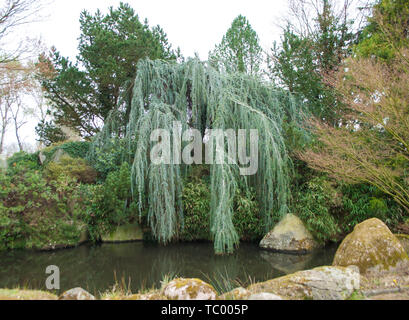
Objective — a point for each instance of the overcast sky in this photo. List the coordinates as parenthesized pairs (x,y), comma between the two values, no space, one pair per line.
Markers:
(194,26)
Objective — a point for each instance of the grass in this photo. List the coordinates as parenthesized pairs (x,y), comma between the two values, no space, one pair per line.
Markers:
(356,295)
(23,294)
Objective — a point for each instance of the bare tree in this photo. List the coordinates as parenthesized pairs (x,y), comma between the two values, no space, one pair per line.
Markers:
(18,84)
(5,114)
(15,14)
(302,14)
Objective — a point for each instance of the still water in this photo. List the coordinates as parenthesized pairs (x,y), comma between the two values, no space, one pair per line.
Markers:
(143,265)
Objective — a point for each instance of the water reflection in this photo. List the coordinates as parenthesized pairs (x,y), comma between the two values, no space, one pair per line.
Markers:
(94,267)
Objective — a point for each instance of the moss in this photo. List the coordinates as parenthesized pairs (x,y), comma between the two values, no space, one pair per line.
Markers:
(371,245)
(193,287)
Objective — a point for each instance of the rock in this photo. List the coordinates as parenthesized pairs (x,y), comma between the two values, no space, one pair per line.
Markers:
(76,294)
(189,289)
(264,296)
(236,294)
(371,247)
(42,157)
(323,283)
(289,236)
(58,155)
(404,240)
(125,233)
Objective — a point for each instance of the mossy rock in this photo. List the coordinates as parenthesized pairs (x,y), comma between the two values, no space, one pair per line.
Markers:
(289,236)
(126,233)
(76,294)
(17,294)
(371,247)
(189,289)
(323,283)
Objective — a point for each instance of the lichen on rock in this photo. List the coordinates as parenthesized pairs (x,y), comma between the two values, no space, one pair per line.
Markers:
(189,289)
(76,294)
(371,247)
(323,283)
(289,236)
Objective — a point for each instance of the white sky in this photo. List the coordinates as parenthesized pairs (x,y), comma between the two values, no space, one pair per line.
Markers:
(194,26)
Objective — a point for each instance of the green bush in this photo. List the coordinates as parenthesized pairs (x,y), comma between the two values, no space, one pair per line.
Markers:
(36,213)
(362,202)
(314,204)
(109,159)
(23,159)
(246,219)
(75,149)
(196,204)
(75,168)
(109,205)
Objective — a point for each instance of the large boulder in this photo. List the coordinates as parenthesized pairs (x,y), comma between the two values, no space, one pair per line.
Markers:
(323,283)
(189,289)
(127,233)
(76,294)
(289,236)
(371,247)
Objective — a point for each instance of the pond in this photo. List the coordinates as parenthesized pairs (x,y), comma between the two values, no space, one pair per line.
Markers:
(143,265)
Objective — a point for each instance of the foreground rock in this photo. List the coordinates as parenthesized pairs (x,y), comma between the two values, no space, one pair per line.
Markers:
(371,247)
(125,233)
(76,294)
(189,289)
(324,283)
(289,236)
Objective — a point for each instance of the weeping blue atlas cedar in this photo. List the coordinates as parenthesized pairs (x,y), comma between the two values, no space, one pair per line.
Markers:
(199,97)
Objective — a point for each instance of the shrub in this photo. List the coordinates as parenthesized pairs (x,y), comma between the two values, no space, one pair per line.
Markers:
(74,149)
(109,159)
(362,202)
(75,168)
(246,219)
(110,204)
(196,204)
(23,159)
(313,205)
(35,213)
